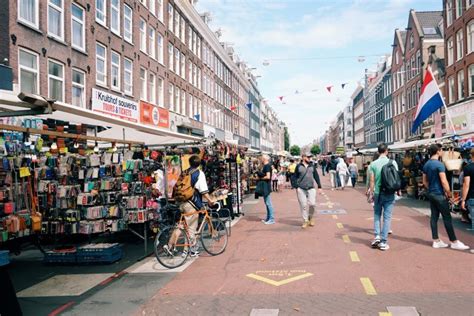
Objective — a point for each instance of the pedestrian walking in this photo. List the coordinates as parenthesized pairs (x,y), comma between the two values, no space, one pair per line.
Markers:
(306,175)
(332,166)
(343,172)
(264,188)
(323,164)
(467,202)
(354,172)
(274,179)
(291,172)
(439,194)
(384,199)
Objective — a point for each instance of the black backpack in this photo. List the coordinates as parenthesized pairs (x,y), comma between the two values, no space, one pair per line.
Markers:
(390,179)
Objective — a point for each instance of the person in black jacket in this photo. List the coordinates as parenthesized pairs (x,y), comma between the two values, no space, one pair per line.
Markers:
(306,175)
(332,166)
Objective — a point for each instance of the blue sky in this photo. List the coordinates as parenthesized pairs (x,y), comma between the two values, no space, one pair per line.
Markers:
(332,30)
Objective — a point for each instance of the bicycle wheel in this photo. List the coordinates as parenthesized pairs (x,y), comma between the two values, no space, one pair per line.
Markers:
(171,247)
(214,236)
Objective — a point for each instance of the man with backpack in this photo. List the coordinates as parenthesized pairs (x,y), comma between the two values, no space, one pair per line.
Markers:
(190,191)
(331,167)
(384,182)
(306,175)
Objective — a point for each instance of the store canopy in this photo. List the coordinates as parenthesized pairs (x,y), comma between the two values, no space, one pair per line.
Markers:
(114,127)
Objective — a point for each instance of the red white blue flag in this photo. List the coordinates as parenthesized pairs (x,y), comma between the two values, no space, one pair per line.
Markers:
(430,101)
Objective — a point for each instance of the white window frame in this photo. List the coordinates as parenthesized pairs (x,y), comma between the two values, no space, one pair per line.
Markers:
(143,84)
(161,52)
(28,69)
(470,73)
(177,63)
(83,29)
(128,33)
(449,12)
(161,10)
(127,87)
(34,24)
(450,57)
(151,87)
(152,7)
(151,42)
(470,37)
(52,77)
(459,5)
(161,92)
(117,65)
(117,9)
(143,36)
(459,44)
(104,21)
(171,97)
(177,99)
(170,57)
(104,59)
(183,66)
(170,17)
(80,86)
(61,10)
(182,31)
(451,90)
(460,86)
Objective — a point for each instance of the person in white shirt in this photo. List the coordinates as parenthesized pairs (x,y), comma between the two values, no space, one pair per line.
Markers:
(342,171)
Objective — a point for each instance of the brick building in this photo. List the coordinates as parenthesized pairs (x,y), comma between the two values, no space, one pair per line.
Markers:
(358,114)
(459,48)
(150,56)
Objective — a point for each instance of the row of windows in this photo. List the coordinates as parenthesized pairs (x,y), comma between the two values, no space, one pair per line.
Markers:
(461,49)
(28,75)
(454,9)
(456,90)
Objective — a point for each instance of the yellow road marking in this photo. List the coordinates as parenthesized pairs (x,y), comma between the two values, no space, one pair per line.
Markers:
(385,314)
(346,239)
(339,225)
(278,283)
(354,256)
(368,287)
(334,216)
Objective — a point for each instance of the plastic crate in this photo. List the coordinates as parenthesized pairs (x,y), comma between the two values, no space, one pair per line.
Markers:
(59,257)
(4,258)
(99,255)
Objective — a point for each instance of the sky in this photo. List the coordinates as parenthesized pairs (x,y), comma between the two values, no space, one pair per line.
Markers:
(301,47)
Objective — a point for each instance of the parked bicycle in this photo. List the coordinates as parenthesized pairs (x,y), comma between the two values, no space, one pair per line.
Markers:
(173,243)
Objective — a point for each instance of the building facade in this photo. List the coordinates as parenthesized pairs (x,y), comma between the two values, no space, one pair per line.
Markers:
(153,56)
(358,114)
(348,128)
(459,48)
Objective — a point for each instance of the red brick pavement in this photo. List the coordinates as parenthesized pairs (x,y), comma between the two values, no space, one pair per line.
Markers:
(411,273)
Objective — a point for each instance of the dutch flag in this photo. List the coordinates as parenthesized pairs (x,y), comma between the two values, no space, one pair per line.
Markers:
(430,101)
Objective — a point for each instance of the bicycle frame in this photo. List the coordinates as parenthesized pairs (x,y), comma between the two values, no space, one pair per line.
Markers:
(184,225)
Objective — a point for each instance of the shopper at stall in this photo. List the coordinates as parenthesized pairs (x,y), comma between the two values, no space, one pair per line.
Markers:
(306,175)
(264,188)
(467,202)
(383,199)
(434,179)
(274,179)
(191,197)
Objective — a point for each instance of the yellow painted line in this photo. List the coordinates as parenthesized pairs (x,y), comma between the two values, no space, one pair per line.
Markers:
(346,239)
(334,216)
(339,225)
(278,283)
(368,287)
(385,314)
(354,256)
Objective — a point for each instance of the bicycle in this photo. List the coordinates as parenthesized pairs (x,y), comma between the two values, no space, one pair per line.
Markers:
(212,232)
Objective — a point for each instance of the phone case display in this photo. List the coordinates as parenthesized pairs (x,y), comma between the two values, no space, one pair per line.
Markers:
(68,193)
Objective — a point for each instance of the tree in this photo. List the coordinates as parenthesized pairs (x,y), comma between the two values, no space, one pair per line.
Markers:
(295,150)
(287,139)
(315,150)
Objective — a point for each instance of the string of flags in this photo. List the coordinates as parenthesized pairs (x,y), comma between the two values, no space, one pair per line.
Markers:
(328,88)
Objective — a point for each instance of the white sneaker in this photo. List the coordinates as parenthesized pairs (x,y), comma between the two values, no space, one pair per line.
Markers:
(459,245)
(440,244)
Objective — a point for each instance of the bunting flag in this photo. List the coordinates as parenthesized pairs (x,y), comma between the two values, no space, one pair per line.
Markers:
(343,85)
(281,98)
(329,88)
(249,105)
(233,108)
(197,117)
(297,92)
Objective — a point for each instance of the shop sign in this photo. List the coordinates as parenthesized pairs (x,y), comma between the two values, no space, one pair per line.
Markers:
(114,105)
(340,150)
(462,116)
(153,115)
(209,131)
